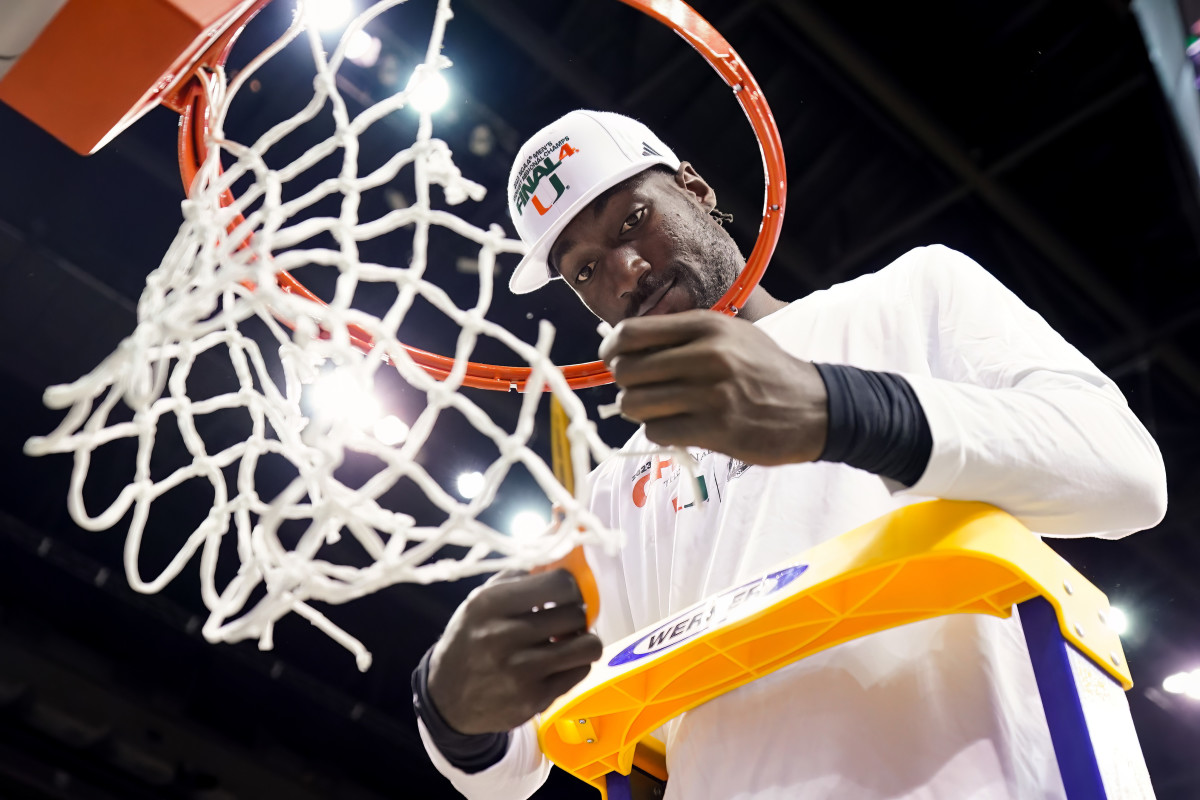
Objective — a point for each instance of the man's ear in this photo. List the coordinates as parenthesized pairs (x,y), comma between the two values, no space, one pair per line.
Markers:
(690,181)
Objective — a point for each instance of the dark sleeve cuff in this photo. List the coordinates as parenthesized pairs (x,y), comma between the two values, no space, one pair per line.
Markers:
(876,423)
(469,752)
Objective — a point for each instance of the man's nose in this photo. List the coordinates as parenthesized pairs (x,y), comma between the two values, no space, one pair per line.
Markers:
(627,268)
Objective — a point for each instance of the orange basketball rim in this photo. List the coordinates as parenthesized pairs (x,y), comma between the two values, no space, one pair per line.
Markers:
(90,106)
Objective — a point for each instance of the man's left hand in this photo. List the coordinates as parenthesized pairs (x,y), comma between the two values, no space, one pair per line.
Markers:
(702,379)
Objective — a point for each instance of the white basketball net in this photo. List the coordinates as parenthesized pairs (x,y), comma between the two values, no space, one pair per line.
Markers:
(193,305)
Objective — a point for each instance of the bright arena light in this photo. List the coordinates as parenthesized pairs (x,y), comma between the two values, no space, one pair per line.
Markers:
(470,484)
(329,15)
(527,524)
(363,49)
(1185,683)
(427,90)
(335,395)
(1117,620)
(391,430)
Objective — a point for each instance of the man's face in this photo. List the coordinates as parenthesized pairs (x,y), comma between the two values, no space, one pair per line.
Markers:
(648,246)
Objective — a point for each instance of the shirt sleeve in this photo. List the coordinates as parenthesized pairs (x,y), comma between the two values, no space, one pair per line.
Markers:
(516,776)
(1020,418)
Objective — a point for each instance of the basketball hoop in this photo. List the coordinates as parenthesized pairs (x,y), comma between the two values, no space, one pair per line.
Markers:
(228,265)
(190,100)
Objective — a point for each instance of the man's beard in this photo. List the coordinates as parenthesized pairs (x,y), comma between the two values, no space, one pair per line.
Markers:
(715,256)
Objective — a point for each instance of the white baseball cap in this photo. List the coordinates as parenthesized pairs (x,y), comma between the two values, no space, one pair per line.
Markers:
(561,169)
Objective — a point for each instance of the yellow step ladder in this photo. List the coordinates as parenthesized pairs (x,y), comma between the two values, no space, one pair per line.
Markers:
(922,561)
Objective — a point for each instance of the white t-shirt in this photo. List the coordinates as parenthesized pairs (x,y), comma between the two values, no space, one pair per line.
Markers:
(945,709)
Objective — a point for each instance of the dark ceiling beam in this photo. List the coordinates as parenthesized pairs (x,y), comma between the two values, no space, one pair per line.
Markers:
(922,127)
(853,259)
(574,13)
(1124,355)
(1018,21)
(426,612)
(1167,564)
(525,32)
(683,57)
(113,751)
(818,167)
(144,152)
(1119,8)
(337,706)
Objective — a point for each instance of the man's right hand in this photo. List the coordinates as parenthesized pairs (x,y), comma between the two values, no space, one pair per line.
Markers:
(513,646)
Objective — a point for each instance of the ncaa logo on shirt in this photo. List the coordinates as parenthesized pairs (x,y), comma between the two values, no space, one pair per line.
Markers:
(704,618)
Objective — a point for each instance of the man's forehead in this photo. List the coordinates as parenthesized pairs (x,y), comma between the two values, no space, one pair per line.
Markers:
(593,211)
(640,180)
(600,204)
(625,190)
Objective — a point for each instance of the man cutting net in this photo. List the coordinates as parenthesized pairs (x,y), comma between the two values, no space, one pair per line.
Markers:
(927,379)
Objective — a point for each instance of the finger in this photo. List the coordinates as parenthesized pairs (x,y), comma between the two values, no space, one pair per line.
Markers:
(693,361)
(645,403)
(560,622)
(667,330)
(506,575)
(683,430)
(503,576)
(521,595)
(552,658)
(560,683)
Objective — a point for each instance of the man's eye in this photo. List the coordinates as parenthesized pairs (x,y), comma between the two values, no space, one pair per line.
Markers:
(585,272)
(632,220)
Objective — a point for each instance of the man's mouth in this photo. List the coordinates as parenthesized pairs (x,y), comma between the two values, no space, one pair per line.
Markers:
(648,305)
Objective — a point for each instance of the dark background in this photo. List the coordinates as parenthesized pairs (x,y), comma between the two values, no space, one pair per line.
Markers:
(1032,136)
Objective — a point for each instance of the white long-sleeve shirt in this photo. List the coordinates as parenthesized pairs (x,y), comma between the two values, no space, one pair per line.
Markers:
(945,709)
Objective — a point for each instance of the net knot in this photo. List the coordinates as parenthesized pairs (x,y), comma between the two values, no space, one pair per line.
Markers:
(323,83)
(442,170)
(286,577)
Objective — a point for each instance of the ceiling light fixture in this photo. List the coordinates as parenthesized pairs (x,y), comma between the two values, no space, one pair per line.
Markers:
(363,49)
(470,484)
(1117,620)
(336,395)
(329,15)
(428,90)
(1185,683)
(390,430)
(527,524)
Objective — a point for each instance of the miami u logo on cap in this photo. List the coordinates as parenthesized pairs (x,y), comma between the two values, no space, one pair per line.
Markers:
(529,182)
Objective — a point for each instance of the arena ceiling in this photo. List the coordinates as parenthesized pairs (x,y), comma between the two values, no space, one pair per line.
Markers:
(1032,137)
